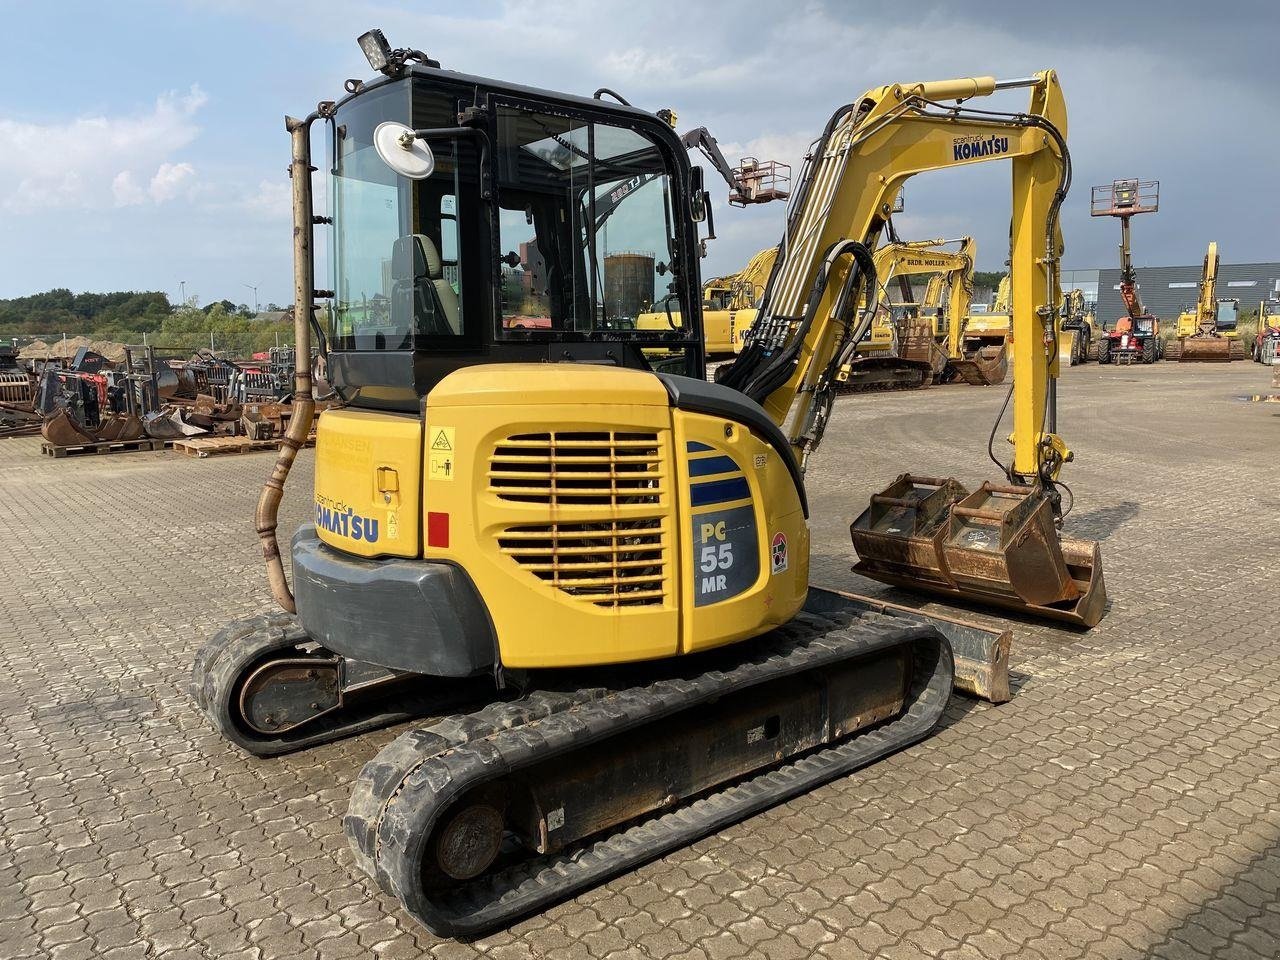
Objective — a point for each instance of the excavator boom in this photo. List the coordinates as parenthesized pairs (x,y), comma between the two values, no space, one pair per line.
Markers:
(999,544)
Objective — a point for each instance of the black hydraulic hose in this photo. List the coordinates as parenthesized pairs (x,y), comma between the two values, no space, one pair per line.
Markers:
(746,364)
(780,367)
(605,91)
(991,440)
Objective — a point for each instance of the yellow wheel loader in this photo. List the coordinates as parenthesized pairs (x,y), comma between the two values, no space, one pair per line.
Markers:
(607,564)
(1075,331)
(1208,332)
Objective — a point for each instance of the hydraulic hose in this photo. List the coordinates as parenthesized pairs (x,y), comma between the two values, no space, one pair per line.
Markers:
(304,403)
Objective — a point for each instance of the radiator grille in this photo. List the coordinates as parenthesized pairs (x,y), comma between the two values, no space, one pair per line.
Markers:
(619,563)
(605,468)
(612,551)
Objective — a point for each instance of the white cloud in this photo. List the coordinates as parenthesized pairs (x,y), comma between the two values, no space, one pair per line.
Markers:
(169,179)
(94,162)
(126,190)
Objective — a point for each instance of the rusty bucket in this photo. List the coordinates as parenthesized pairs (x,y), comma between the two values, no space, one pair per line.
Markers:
(899,535)
(997,545)
(61,429)
(1205,350)
(985,362)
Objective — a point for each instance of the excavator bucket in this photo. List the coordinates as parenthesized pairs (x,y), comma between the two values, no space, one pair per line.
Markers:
(61,429)
(984,365)
(997,545)
(1205,350)
(899,535)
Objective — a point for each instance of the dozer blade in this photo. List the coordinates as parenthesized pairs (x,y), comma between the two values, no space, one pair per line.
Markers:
(480,819)
(983,367)
(981,654)
(884,373)
(997,545)
(1205,350)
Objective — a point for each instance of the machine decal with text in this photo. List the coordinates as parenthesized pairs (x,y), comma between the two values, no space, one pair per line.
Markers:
(726,552)
(344,521)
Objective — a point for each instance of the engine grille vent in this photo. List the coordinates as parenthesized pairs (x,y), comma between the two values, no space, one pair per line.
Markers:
(618,563)
(605,468)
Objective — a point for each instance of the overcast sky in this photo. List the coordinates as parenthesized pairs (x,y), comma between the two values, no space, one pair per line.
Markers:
(142,143)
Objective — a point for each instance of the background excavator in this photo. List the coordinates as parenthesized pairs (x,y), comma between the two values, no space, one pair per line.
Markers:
(905,342)
(1135,337)
(979,344)
(614,559)
(728,306)
(1207,333)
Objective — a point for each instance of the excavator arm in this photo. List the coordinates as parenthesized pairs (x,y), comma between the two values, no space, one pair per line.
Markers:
(845,195)
(1207,310)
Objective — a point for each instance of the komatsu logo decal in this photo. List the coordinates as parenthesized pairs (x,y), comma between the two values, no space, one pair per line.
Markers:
(347,523)
(967,148)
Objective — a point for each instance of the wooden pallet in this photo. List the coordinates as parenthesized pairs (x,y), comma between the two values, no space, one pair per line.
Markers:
(112,446)
(202,447)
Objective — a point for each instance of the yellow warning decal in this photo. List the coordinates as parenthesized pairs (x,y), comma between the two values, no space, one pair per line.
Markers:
(440,466)
(441,454)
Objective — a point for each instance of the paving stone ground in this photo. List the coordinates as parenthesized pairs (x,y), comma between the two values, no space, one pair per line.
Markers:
(1125,804)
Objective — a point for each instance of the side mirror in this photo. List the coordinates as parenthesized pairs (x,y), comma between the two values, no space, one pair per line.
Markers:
(697,195)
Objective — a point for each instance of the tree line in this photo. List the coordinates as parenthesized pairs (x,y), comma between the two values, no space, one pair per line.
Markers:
(126,316)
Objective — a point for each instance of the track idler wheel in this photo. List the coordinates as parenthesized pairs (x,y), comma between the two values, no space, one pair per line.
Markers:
(269,688)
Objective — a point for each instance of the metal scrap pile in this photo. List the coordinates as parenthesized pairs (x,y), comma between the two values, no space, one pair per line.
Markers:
(93,400)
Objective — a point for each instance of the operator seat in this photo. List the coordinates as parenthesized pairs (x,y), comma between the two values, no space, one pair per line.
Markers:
(420,290)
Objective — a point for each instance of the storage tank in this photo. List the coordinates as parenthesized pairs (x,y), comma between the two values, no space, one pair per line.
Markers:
(628,284)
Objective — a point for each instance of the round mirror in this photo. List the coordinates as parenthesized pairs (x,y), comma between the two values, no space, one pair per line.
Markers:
(402,151)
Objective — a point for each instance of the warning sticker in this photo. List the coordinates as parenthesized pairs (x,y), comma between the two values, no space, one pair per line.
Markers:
(441,461)
(393,525)
(442,439)
(440,466)
(778,552)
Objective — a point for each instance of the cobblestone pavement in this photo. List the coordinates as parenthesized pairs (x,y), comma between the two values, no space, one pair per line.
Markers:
(1124,804)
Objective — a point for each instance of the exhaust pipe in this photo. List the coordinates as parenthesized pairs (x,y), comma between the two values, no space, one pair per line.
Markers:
(304,401)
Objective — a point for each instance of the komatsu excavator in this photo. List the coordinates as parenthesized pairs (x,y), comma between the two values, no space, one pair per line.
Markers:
(900,348)
(616,560)
(1208,332)
(979,344)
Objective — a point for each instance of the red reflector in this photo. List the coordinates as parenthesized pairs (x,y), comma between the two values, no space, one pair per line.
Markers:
(437,529)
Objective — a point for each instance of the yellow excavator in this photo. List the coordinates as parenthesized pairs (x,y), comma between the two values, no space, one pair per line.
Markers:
(979,344)
(1208,332)
(610,564)
(901,347)
(728,306)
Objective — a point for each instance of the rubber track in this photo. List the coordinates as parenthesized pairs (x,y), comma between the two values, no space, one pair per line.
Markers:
(221,662)
(402,791)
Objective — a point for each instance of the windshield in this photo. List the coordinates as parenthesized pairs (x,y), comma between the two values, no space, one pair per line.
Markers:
(586,239)
(1228,314)
(396,247)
